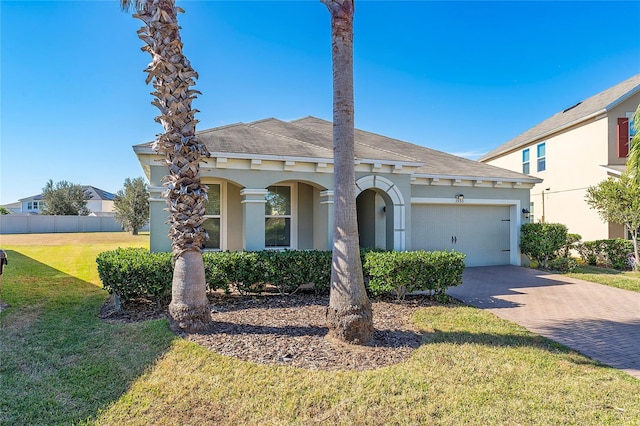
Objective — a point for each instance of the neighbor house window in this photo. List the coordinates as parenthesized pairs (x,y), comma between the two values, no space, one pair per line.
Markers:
(542,157)
(525,161)
(33,205)
(212,217)
(626,132)
(277,217)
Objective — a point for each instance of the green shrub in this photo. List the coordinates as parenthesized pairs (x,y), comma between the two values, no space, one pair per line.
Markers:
(616,253)
(542,241)
(589,252)
(611,253)
(216,265)
(563,264)
(133,273)
(406,272)
(136,273)
(571,243)
(289,269)
(246,271)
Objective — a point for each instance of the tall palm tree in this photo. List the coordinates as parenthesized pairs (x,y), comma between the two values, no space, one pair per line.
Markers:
(633,162)
(173,77)
(349,315)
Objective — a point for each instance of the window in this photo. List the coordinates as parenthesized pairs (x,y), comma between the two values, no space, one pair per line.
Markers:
(33,205)
(277,221)
(625,133)
(525,161)
(212,215)
(542,158)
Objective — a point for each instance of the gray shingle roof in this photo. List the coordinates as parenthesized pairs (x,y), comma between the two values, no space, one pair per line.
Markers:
(312,138)
(93,193)
(596,104)
(434,162)
(97,193)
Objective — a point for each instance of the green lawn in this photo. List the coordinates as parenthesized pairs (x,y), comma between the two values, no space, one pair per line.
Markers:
(59,364)
(622,279)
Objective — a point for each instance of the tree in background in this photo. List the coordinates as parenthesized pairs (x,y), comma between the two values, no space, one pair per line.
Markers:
(617,200)
(64,198)
(4,210)
(349,315)
(131,204)
(173,77)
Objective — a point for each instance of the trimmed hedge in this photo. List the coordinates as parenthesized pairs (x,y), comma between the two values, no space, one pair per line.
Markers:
(409,271)
(612,253)
(542,241)
(134,273)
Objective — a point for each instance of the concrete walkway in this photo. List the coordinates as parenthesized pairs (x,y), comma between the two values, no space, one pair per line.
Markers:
(599,321)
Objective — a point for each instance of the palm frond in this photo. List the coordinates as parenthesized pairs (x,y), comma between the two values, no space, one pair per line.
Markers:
(132,5)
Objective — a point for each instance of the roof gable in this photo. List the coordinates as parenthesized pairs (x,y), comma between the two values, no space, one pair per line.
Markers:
(97,193)
(595,105)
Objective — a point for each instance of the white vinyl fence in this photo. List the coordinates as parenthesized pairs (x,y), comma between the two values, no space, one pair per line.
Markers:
(44,224)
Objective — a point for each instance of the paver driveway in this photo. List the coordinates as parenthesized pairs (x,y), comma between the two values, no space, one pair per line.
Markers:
(599,321)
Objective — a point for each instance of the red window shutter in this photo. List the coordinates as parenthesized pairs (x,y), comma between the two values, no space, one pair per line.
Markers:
(623,137)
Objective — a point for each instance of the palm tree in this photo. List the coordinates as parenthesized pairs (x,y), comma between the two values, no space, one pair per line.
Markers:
(633,162)
(173,77)
(349,315)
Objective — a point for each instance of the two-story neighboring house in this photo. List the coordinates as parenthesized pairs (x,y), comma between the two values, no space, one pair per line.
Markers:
(99,201)
(572,150)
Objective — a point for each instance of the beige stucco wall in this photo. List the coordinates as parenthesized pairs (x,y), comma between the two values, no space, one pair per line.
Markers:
(232,217)
(624,109)
(573,163)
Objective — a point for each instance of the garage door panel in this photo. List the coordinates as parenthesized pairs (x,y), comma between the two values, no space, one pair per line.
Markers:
(480,232)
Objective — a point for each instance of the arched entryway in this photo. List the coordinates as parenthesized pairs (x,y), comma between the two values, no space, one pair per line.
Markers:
(380,207)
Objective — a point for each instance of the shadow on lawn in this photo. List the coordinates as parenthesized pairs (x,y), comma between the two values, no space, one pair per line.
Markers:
(384,338)
(60,363)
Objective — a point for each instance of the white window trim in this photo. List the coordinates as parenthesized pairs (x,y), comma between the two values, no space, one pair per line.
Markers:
(293,235)
(526,162)
(543,157)
(222,216)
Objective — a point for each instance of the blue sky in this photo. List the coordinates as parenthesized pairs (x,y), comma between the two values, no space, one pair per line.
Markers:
(461,77)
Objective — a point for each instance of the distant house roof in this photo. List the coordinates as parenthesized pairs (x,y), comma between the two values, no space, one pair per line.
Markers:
(589,108)
(312,138)
(97,193)
(93,193)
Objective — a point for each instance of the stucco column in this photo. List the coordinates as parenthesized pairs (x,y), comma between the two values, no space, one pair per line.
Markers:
(253,201)
(326,203)
(159,240)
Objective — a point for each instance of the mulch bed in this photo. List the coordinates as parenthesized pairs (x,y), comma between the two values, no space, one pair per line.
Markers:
(291,330)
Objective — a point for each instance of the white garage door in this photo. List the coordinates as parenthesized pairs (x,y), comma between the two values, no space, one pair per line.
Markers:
(480,232)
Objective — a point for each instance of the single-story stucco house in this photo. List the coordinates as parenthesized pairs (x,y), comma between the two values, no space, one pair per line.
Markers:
(271,187)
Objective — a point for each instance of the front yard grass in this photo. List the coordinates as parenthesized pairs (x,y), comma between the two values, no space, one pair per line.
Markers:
(59,364)
(626,280)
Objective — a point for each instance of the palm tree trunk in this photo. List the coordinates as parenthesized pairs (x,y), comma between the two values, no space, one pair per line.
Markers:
(172,77)
(349,315)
